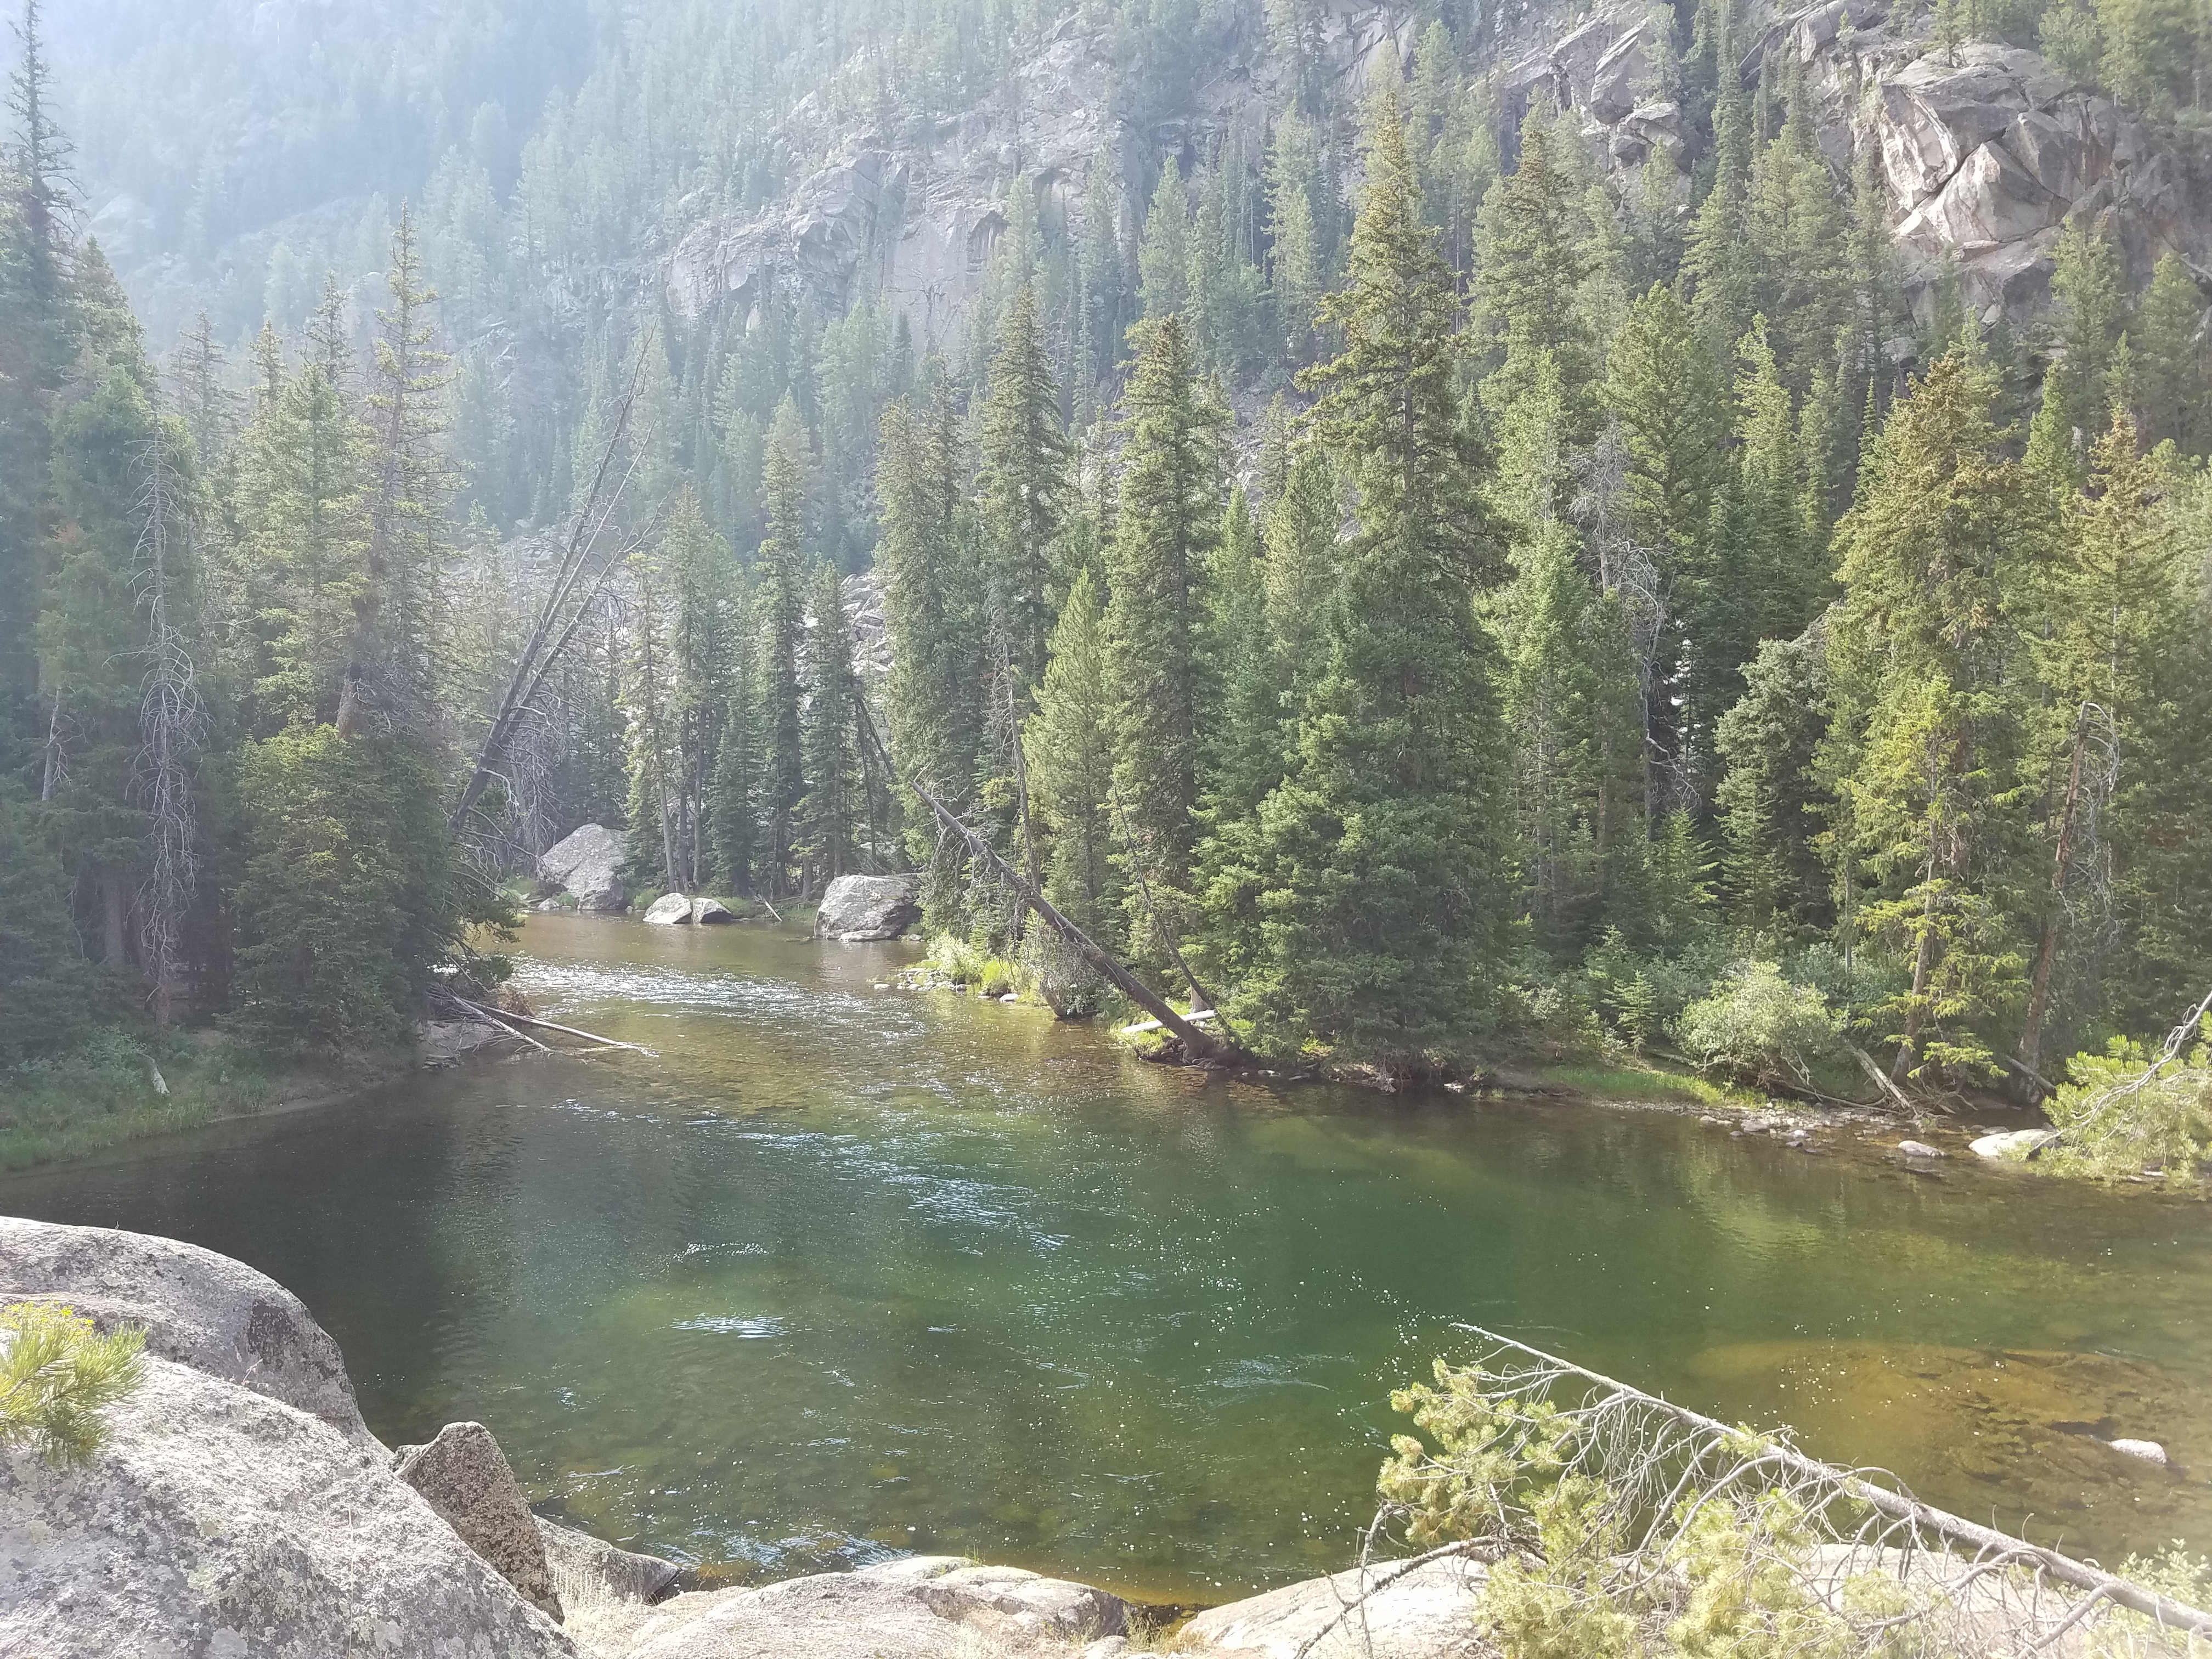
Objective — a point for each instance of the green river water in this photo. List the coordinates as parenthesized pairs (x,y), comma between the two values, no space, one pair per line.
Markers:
(848,1270)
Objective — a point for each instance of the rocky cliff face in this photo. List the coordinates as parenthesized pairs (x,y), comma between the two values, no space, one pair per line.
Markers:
(1985,156)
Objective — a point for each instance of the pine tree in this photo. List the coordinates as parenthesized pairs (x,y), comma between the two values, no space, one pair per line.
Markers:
(783,766)
(1294,266)
(1530,263)
(1071,766)
(1245,749)
(933,603)
(1022,483)
(1164,251)
(655,809)
(1720,267)
(2171,391)
(835,807)
(1300,574)
(1168,516)
(1371,917)
(1927,745)
(1769,803)
(734,803)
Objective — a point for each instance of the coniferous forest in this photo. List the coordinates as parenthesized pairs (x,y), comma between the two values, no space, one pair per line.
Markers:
(1435,598)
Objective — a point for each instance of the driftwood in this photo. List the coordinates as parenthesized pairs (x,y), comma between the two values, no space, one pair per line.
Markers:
(1200,1044)
(500,1018)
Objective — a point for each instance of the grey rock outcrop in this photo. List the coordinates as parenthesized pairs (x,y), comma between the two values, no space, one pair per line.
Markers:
(218,1521)
(197,1308)
(919,1607)
(1428,1614)
(587,866)
(856,908)
(464,1477)
(586,1569)
(670,909)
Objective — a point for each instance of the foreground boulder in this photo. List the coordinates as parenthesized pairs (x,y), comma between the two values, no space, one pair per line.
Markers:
(857,908)
(218,1521)
(587,866)
(464,1477)
(931,1607)
(201,1309)
(1428,1614)
(585,1569)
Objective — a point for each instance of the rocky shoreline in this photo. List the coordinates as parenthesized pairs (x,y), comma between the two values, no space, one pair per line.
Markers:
(240,1508)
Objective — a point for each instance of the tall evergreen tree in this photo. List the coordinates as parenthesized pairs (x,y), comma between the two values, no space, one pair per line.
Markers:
(783,764)
(836,806)
(1071,766)
(1024,482)
(1371,916)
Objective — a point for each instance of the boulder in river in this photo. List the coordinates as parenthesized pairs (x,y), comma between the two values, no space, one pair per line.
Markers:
(1426,1614)
(464,1477)
(708,911)
(670,909)
(2149,1451)
(2013,1146)
(857,908)
(197,1308)
(1920,1148)
(587,866)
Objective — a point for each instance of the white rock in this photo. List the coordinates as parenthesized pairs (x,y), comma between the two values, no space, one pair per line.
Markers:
(1427,1614)
(2012,1145)
(1920,1148)
(669,909)
(2149,1451)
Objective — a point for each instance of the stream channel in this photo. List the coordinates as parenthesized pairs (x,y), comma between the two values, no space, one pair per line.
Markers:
(849,1269)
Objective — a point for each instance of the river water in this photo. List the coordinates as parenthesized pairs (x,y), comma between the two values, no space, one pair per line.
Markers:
(849,1269)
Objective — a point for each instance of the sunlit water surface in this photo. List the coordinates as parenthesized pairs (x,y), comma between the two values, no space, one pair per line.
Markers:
(849,1270)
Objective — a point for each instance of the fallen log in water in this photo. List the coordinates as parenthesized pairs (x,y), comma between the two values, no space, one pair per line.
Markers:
(500,1017)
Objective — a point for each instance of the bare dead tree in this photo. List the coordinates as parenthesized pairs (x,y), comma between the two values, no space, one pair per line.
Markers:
(586,568)
(172,723)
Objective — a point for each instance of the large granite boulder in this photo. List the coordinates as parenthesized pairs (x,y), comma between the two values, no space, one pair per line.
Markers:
(670,909)
(870,907)
(219,1523)
(197,1308)
(931,1607)
(464,1477)
(1426,1614)
(587,866)
(585,1569)
(710,912)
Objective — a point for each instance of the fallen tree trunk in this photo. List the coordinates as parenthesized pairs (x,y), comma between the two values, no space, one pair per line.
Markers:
(1199,1044)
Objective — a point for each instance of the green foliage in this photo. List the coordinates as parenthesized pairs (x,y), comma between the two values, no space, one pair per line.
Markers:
(1759,1028)
(50,996)
(2125,1111)
(58,1374)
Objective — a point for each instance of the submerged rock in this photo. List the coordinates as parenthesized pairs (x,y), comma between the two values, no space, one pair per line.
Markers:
(857,908)
(587,866)
(464,1477)
(2149,1451)
(1920,1148)
(201,1309)
(1428,1614)
(218,1520)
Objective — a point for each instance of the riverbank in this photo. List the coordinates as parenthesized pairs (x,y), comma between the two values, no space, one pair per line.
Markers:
(123,1089)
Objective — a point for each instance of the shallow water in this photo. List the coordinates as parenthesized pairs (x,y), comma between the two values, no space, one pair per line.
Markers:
(848,1270)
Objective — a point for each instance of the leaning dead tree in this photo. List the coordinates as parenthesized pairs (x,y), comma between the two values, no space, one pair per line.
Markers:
(1626,1505)
(171,721)
(1199,1044)
(589,561)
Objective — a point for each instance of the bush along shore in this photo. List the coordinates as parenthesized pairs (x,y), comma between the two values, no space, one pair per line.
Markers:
(183,1464)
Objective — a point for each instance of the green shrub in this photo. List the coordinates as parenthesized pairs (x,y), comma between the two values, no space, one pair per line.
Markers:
(1759,1028)
(58,1374)
(2120,1113)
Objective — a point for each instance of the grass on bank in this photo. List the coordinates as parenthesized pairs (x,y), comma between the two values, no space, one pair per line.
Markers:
(119,1086)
